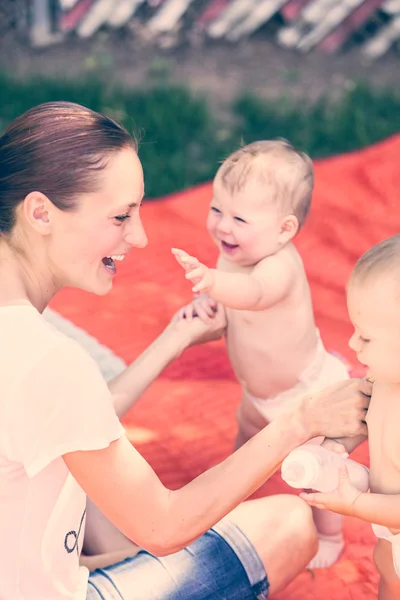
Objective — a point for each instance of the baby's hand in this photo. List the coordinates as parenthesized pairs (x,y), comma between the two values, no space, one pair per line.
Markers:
(202,277)
(341,501)
(335,446)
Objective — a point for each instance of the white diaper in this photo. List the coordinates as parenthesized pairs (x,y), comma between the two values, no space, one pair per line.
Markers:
(384,533)
(324,370)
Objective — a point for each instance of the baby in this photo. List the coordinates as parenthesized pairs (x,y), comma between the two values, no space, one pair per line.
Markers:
(373,298)
(262,195)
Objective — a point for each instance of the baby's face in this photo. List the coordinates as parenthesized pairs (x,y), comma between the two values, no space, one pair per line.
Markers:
(246,226)
(374,310)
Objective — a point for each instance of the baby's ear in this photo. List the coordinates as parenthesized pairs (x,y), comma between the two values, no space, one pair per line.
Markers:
(289,227)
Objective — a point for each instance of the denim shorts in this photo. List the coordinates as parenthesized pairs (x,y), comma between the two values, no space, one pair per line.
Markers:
(221,565)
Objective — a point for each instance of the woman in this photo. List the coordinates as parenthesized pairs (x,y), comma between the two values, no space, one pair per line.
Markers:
(71,185)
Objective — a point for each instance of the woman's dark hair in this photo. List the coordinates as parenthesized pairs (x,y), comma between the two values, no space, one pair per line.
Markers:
(55,148)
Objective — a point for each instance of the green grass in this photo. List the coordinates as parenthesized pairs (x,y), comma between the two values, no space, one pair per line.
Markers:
(359,118)
(182,143)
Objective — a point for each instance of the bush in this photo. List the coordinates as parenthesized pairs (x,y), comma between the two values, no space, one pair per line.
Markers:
(178,137)
(181,143)
(361,117)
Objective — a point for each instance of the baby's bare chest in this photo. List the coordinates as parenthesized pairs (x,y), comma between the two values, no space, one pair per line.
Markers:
(265,331)
(384,443)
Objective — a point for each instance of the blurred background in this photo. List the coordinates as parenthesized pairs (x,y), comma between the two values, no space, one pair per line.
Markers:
(195,78)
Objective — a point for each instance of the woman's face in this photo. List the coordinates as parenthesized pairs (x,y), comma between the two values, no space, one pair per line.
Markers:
(87,244)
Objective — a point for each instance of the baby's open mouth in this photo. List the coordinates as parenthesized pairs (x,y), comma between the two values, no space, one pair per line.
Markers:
(227,246)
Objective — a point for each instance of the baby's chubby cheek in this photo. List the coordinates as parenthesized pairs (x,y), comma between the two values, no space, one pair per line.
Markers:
(211,224)
(212,232)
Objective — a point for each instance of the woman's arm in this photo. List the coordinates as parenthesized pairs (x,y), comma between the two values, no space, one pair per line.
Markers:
(179,334)
(126,489)
(349,443)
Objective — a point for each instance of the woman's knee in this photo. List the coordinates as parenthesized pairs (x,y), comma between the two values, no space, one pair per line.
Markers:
(275,520)
(299,519)
(284,537)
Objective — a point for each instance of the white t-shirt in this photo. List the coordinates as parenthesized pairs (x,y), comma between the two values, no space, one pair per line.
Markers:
(53,400)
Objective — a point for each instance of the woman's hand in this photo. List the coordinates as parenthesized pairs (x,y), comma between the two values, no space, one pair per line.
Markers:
(201,306)
(196,331)
(336,411)
(179,334)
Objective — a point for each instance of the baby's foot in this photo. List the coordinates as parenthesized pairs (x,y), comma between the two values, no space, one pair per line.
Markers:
(329,549)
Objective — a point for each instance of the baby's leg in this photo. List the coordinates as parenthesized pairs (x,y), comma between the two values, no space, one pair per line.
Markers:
(329,527)
(249,420)
(252,416)
(389,583)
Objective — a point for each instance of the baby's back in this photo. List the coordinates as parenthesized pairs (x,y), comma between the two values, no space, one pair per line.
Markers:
(269,349)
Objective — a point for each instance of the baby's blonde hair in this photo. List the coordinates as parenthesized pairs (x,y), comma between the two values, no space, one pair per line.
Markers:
(382,259)
(275,163)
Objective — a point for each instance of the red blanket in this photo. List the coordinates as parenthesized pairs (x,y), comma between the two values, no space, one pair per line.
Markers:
(185,422)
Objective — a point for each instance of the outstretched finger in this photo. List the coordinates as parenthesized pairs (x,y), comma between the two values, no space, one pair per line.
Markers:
(178,252)
(179,261)
(183,256)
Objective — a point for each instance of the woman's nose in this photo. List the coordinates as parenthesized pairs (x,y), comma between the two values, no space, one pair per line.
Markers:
(136,235)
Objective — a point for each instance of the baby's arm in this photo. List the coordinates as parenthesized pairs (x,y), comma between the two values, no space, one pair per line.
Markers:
(382,509)
(268,283)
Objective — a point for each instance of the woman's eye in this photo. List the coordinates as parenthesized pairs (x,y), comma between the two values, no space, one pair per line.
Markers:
(363,340)
(216,210)
(122,218)
(240,220)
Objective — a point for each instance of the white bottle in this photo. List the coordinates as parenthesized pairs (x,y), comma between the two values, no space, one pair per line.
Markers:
(314,467)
